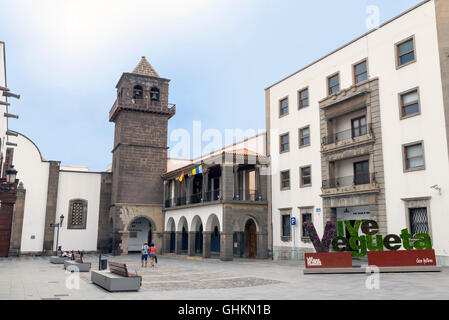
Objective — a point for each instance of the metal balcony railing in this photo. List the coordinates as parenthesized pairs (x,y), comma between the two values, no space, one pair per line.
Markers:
(347,134)
(213,195)
(349,181)
(247,195)
(143,105)
(196,198)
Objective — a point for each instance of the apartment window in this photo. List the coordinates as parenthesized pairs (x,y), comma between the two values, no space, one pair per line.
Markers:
(360,72)
(303,97)
(405,52)
(333,83)
(284,143)
(306,176)
(283,107)
(285,180)
(285,232)
(409,103)
(304,136)
(418,220)
(305,217)
(358,126)
(414,157)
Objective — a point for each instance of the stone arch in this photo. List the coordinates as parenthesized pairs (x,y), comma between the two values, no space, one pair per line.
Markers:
(140,230)
(246,218)
(154,93)
(171,226)
(183,232)
(137,92)
(197,229)
(171,229)
(212,221)
(182,222)
(213,226)
(196,223)
(141,217)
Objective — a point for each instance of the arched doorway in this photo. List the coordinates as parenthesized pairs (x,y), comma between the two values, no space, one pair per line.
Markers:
(250,239)
(171,229)
(140,231)
(213,225)
(197,226)
(185,239)
(184,229)
(199,240)
(215,240)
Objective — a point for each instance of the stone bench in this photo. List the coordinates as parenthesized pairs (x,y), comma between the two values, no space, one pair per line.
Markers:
(117,278)
(58,260)
(77,265)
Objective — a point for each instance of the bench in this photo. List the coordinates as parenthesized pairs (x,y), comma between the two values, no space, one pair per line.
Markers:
(77,265)
(117,278)
(58,259)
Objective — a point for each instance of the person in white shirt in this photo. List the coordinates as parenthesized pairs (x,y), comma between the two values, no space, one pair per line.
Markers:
(144,252)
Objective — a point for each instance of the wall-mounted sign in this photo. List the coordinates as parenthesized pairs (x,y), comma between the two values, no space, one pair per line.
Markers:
(354,213)
(328,260)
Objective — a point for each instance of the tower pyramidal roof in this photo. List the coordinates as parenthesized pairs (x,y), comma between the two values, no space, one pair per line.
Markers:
(145,68)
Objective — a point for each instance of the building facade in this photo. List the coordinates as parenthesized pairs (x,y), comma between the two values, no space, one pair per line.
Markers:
(221,210)
(362,133)
(217,205)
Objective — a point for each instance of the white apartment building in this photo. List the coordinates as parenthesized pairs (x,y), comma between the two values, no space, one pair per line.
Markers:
(362,133)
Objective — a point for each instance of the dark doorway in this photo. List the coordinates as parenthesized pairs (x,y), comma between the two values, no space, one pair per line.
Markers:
(234,241)
(215,240)
(185,239)
(172,241)
(199,240)
(250,231)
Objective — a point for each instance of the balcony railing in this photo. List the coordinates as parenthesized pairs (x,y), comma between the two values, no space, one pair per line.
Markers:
(213,195)
(349,181)
(143,105)
(347,134)
(247,195)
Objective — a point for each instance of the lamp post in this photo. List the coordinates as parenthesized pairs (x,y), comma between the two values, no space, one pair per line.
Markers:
(11,175)
(61,220)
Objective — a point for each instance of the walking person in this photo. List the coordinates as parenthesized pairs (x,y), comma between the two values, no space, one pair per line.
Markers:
(152,254)
(144,252)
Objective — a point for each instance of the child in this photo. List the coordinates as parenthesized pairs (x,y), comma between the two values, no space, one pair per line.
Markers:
(144,252)
(152,254)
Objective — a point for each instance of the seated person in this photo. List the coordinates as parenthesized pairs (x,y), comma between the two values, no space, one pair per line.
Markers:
(65,254)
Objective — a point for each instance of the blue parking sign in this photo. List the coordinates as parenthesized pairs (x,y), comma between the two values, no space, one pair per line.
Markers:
(293,221)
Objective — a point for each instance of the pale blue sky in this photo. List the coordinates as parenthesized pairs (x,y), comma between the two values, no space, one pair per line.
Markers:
(65,58)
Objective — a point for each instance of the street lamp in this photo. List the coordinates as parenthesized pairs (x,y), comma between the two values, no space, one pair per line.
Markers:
(11,175)
(61,220)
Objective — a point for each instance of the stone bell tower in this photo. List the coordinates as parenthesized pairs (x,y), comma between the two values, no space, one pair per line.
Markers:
(140,114)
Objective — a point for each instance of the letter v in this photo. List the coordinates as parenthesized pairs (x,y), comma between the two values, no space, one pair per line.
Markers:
(329,232)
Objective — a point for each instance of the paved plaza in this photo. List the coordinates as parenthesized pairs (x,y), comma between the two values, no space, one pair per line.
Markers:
(183,278)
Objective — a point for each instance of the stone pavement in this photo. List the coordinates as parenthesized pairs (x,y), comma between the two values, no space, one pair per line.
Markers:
(182,278)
